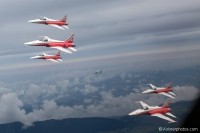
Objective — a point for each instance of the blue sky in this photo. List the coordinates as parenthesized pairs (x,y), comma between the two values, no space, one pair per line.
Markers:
(115,36)
(131,30)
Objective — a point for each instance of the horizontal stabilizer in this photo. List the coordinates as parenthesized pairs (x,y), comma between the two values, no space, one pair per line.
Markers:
(172,93)
(57,26)
(53,60)
(170,114)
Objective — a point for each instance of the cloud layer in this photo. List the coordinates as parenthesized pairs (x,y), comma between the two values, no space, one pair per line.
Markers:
(11,106)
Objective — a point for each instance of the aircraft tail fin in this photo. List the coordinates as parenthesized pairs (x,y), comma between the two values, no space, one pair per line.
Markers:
(64,19)
(166,104)
(70,40)
(169,85)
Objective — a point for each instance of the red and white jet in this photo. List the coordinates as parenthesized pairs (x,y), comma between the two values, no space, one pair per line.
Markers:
(55,58)
(167,91)
(61,24)
(157,111)
(60,45)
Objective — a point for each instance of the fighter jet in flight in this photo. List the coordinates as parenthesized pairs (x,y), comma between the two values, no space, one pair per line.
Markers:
(61,24)
(99,72)
(55,58)
(167,91)
(60,45)
(158,111)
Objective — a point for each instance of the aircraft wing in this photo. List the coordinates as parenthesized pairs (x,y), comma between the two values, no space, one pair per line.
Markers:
(62,49)
(166,94)
(152,86)
(59,27)
(72,49)
(144,105)
(53,60)
(164,117)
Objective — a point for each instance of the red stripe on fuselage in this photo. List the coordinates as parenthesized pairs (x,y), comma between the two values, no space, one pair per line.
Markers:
(55,44)
(159,110)
(155,111)
(162,90)
(55,57)
(60,23)
(60,44)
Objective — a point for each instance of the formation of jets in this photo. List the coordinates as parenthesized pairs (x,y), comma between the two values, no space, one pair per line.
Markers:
(66,46)
(158,111)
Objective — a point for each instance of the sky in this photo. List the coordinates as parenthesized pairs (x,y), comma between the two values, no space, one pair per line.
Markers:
(115,36)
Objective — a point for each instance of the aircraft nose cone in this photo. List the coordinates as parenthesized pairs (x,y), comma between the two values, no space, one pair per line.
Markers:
(144,92)
(147,91)
(130,114)
(28,43)
(35,57)
(31,21)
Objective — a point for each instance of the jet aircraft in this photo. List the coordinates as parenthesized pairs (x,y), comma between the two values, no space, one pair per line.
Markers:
(158,111)
(99,72)
(167,91)
(56,44)
(55,58)
(61,24)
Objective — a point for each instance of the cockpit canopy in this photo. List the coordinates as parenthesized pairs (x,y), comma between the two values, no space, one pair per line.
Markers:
(154,88)
(41,55)
(44,18)
(145,108)
(44,39)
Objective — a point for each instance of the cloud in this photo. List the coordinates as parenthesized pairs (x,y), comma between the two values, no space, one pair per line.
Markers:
(88,89)
(186,93)
(11,107)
